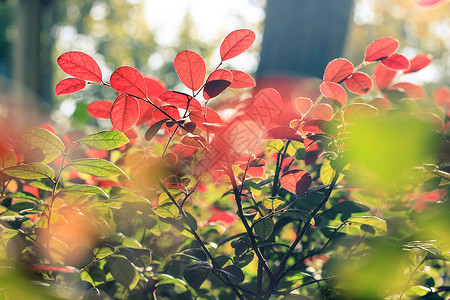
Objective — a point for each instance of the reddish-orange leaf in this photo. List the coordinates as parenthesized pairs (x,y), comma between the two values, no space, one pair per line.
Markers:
(124,112)
(223,216)
(100,109)
(216,83)
(283,133)
(267,105)
(236,43)
(155,87)
(322,111)
(80,65)
(241,80)
(428,3)
(146,113)
(180,100)
(211,117)
(303,105)
(129,81)
(320,126)
(413,91)
(52,268)
(69,86)
(442,96)
(359,83)
(296,181)
(358,111)
(194,140)
(380,49)
(169,110)
(383,76)
(337,70)
(334,91)
(396,62)
(419,62)
(190,68)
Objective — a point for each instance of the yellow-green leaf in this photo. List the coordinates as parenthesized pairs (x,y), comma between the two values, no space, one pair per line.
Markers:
(30,171)
(96,167)
(43,139)
(105,140)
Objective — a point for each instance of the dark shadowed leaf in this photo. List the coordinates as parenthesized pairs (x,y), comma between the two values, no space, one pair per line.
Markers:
(153,129)
(380,49)
(296,181)
(123,271)
(80,65)
(263,228)
(69,86)
(124,112)
(236,43)
(128,80)
(337,70)
(320,126)
(234,272)
(196,273)
(216,83)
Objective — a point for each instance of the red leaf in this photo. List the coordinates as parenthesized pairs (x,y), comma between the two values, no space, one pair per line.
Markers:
(303,105)
(320,126)
(180,100)
(337,70)
(359,83)
(413,91)
(296,181)
(194,140)
(223,216)
(383,76)
(396,62)
(124,112)
(216,83)
(168,109)
(334,91)
(322,111)
(146,113)
(358,111)
(380,49)
(428,3)
(442,96)
(100,109)
(69,86)
(241,80)
(283,133)
(418,63)
(62,269)
(236,43)
(190,68)
(129,81)
(155,87)
(80,65)
(267,105)
(211,118)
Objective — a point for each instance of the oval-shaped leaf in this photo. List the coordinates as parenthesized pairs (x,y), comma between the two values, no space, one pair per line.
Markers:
(123,271)
(283,133)
(418,63)
(153,129)
(378,225)
(196,273)
(223,216)
(320,126)
(180,100)
(267,105)
(412,91)
(380,49)
(191,69)
(100,109)
(303,105)
(169,111)
(69,86)
(263,228)
(43,139)
(53,268)
(359,111)
(80,65)
(85,189)
(236,43)
(359,83)
(211,118)
(7,157)
(296,181)
(396,62)
(428,3)
(241,80)
(124,112)
(337,70)
(322,111)
(216,83)
(334,91)
(383,76)
(129,81)
(30,171)
(96,167)
(105,140)
(155,87)
(234,272)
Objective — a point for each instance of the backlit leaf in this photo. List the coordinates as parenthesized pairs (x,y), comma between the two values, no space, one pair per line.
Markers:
(30,171)
(124,112)
(320,126)
(96,167)
(236,43)
(378,225)
(296,181)
(100,109)
(153,129)
(80,65)
(322,111)
(7,158)
(418,63)
(85,189)
(383,76)
(211,118)
(267,105)
(129,81)
(334,91)
(396,62)
(337,70)
(196,273)
(180,100)
(380,49)
(216,83)
(412,91)
(191,69)
(241,80)
(169,110)
(69,86)
(42,138)
(105,140)
(359,111)
(52,268)
(359,83)
(283,133)
(303,105)
(428,3)
(223,216)
(155,87)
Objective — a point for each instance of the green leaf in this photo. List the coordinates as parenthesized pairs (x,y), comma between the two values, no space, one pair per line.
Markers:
(349,207)
(24,195)
(40,185)
(30,171)
(196,273)
(85,189)
(96,167)
(263,228)
(105,140)
(7,158)
(429,248)
(234,272)
(123,271)
(43,139)
(252,187)
(194,253)
(272,203)
(139,257)
(379,226)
